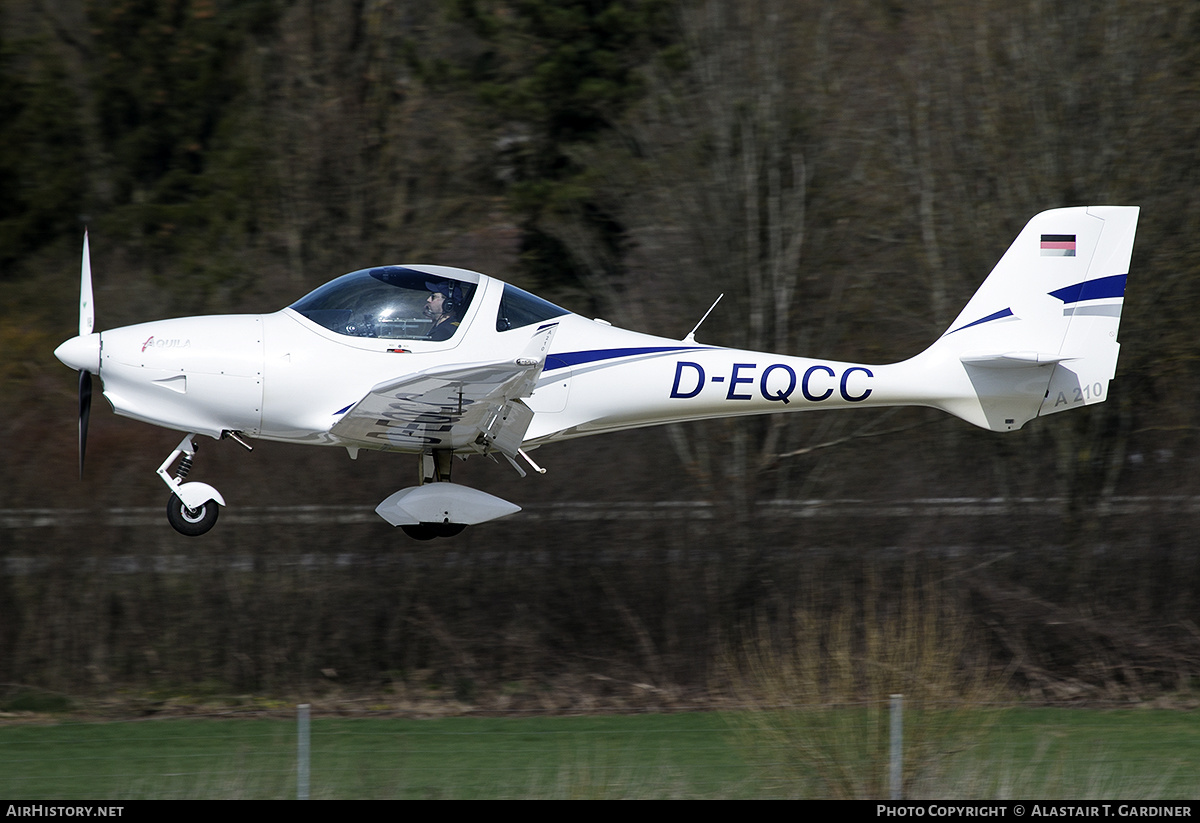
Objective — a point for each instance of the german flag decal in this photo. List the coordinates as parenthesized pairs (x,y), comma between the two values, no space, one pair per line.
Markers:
(1058,245)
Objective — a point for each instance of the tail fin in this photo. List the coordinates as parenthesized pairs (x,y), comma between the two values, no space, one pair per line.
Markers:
(1040,335)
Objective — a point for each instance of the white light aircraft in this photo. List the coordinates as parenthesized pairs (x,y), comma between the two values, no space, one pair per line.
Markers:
(442,362)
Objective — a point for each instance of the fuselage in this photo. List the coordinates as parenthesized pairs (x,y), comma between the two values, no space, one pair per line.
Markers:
(290,375)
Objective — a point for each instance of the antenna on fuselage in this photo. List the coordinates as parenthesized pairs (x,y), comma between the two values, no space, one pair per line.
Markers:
(691,336)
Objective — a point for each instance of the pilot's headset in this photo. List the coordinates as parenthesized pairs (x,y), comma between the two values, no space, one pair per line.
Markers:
(453,296)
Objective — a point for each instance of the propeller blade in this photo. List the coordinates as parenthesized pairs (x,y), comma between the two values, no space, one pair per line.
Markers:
(87,312)
(85,411)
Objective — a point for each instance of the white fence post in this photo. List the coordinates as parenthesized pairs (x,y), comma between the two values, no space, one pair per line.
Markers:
(895,777)
(302,752)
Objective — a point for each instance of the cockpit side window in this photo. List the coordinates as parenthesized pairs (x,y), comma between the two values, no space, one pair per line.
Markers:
(520,308)
(390,302)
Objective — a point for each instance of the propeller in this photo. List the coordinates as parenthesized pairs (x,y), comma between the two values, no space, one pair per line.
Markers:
(87,320)
(83,352)
(85,411)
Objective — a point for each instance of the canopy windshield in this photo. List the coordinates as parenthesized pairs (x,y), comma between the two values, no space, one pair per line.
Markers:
(390,302)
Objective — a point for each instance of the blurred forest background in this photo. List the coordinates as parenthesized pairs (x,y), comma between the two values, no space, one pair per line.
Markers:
(845,172)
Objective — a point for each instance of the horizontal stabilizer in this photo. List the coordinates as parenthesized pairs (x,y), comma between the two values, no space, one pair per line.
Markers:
(1012,360)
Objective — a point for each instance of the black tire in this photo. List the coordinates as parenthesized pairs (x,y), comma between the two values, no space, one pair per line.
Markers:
(192,522)
(421,531)
(449,529)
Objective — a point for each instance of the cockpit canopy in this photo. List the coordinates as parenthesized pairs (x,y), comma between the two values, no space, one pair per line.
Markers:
(390,302)
(398,303)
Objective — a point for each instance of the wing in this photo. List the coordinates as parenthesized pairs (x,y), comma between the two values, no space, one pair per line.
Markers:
(474,405)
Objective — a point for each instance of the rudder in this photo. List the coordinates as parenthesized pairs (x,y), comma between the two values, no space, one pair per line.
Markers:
(1093,308)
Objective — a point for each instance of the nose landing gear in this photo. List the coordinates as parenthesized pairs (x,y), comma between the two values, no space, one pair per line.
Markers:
(193,507)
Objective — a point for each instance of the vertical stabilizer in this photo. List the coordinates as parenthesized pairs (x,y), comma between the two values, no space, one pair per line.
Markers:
(1040,334)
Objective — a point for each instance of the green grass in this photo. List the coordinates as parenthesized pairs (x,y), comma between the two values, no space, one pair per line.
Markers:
(1062,754)
(1030,753)
(682,755)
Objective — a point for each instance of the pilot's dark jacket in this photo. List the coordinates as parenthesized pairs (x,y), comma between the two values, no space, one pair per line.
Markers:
(444,330)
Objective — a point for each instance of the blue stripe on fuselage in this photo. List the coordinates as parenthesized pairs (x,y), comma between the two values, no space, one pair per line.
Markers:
(576,358)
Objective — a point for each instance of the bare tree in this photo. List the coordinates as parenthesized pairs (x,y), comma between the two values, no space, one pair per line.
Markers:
(710,174)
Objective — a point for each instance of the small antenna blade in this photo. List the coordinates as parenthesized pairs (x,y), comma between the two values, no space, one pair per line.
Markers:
(691,336)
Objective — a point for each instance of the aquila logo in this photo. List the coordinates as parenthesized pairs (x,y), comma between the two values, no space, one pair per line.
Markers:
(173,343)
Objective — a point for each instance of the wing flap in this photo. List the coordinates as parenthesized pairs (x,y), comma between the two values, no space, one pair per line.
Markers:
(475,405)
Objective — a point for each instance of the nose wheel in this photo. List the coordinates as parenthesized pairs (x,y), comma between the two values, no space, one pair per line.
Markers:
(192,522)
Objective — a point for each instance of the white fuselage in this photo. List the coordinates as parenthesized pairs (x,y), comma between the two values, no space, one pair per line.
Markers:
(285,377)
(282,377)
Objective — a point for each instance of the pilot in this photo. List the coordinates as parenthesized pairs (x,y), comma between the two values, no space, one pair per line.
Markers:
(442,308)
